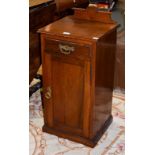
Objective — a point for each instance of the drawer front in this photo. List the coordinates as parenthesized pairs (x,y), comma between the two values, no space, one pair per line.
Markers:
(59,48)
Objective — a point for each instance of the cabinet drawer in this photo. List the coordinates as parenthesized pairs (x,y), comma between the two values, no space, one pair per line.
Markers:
(67,49)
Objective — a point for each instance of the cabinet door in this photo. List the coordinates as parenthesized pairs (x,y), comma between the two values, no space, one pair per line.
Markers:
(66,85)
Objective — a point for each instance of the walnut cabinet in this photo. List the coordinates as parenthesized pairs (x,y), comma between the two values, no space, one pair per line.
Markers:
(78,58)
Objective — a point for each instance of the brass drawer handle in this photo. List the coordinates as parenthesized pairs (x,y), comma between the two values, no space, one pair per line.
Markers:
(65,49)
(48,94)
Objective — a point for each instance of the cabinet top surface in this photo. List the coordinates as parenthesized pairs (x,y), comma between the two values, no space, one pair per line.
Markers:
(78,28)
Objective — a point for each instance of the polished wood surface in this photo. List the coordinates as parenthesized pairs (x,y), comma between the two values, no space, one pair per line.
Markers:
(104,79)
(92,14)
(81,51)
(75,28)
(78,77)
(39,16)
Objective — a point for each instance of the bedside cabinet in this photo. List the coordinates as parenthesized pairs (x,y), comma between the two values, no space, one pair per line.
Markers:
(78,57)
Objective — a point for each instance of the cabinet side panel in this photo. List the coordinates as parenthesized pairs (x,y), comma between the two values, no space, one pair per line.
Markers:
(104,80)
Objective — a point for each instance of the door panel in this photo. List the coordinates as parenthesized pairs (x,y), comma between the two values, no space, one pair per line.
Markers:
(67,93)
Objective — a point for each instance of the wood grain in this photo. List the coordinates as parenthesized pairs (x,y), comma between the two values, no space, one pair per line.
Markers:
(82,81)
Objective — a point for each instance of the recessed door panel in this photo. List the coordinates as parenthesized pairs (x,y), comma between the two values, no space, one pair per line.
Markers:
(68,87)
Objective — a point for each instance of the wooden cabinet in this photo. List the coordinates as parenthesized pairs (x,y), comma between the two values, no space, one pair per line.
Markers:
(78,58)
(41,13)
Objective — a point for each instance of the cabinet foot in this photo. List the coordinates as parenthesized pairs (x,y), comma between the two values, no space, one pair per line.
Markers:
(76,138)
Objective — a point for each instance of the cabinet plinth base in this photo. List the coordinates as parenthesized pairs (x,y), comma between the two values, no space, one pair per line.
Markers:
(76,138)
